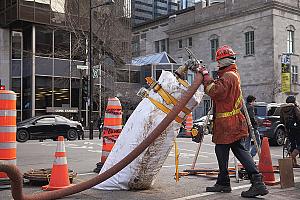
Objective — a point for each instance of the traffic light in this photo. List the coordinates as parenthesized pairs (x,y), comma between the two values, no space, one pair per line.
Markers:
(85,86)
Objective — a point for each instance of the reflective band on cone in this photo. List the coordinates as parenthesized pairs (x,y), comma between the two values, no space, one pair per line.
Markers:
(59,175)
(189,124)
(8,145)
(112,128)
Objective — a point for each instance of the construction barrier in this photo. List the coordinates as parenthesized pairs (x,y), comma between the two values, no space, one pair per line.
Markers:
(265,165)
(8,145)
(189,124)
(59,175)
(112,127)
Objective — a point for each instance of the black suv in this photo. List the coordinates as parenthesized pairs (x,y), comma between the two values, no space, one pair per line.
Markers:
(268,118)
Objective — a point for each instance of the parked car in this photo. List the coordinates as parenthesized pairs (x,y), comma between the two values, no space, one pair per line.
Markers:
(201,120)
(48,127)
(268,118)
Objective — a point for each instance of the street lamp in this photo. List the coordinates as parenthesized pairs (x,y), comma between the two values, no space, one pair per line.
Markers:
(90,104)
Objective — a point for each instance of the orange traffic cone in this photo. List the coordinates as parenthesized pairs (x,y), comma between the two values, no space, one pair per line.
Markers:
(112,128)
(189,124)
(59,175)
(265,165)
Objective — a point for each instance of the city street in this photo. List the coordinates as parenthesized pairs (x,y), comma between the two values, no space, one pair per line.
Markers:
(84,154)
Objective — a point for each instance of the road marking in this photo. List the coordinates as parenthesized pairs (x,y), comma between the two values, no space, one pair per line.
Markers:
(210,193)
(95,151)
(85,174)
(184,155)
(66,141)
(182,165)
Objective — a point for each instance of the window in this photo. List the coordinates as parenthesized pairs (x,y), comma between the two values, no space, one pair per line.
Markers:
(180,59)
(16,45)
(249,42)
(135,76)
(143,36)
(61,44)
(123,76)
(207,105)
(44,40)
(294,74)
(190,41)
(161,45)
(290,41)
(214,45)
(156,46)
(47,120)
(180,43)
(60,120)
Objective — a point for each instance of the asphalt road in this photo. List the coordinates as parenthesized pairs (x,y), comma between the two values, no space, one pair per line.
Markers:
(83,155)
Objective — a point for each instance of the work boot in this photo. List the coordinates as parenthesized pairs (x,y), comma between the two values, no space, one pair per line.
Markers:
(294,158)
(257,188)
(219,188)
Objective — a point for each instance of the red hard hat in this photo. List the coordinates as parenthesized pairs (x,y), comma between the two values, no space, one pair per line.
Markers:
(224,52)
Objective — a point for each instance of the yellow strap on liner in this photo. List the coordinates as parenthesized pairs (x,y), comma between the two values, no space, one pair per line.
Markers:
(163,108)
(144,93)
(183,82)
(176,161)
(168,98)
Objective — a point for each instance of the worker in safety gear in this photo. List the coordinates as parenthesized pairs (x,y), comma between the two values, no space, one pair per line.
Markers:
(250,108)
(290,117)
(230,126)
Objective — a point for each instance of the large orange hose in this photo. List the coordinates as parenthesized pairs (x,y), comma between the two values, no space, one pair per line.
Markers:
(16,177)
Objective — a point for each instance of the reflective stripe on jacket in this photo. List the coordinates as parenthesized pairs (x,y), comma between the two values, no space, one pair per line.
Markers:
(225,93)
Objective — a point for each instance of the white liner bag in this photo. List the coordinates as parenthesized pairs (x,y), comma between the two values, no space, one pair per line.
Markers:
(141,173)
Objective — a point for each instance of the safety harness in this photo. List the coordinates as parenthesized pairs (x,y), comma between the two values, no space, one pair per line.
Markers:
(236,110)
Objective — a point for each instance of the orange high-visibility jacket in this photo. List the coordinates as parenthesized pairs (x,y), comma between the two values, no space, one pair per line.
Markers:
(229,123)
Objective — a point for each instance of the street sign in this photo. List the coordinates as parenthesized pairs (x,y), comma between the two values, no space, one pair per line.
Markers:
(82,67)
(286,59)
(96,73)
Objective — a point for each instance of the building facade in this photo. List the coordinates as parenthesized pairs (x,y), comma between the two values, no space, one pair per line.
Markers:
(43,43)
(260,31)
(146,10)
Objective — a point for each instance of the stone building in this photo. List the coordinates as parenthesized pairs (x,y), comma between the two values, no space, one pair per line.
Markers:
(260,31)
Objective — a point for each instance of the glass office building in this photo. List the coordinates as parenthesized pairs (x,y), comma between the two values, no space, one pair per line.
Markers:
(45,52)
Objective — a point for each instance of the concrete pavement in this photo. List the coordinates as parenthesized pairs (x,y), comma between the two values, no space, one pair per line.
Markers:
(83,155)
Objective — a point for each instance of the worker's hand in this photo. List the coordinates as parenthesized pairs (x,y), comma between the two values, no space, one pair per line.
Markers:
(202,70)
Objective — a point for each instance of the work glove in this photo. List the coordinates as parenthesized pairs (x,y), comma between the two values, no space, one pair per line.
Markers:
(205,74)
(192,63)
(202,70)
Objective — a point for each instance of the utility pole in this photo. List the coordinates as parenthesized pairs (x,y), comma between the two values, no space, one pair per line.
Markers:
(80,97)
(90,99)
